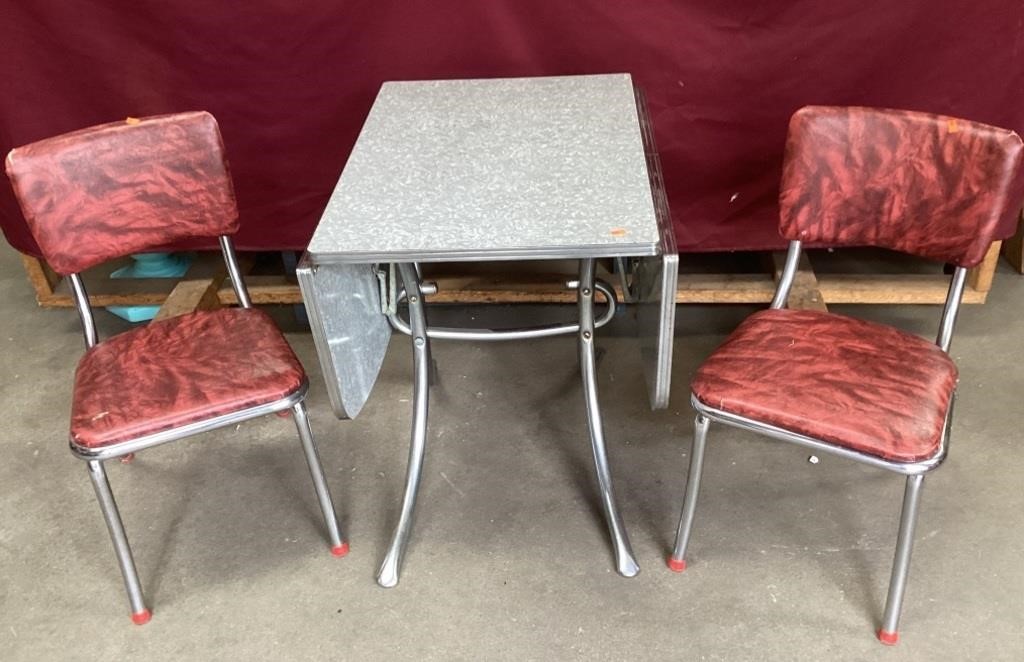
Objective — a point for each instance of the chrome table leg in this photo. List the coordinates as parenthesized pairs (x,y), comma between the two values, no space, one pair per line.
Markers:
(339,546)
(888,634)
(677,561)
(98,474)
(388,575)
(625,563)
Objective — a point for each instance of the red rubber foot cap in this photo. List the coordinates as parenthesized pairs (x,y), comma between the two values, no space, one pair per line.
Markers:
(676,566)
(284,413)
(126,459)
(888,638)
(340,550)
(142,617)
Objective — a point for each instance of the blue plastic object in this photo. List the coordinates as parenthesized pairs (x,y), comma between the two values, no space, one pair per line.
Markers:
(150,265)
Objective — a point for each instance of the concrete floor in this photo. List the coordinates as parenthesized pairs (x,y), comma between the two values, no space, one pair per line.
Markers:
(510,558)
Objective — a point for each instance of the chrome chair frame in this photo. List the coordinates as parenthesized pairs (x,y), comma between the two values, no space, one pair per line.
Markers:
(95,457)
(914,471)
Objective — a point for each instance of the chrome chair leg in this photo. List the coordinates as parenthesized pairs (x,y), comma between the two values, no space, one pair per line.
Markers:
(677,561)
(625,562)
(140,615)
(339,546)
(888,634)
(388,574)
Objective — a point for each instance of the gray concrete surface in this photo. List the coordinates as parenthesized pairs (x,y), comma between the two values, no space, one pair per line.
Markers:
(509,559)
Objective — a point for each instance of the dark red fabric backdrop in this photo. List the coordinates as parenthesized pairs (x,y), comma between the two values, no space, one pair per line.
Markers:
(291,82)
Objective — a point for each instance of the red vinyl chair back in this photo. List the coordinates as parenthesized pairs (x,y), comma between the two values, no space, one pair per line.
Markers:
(124,187)
(932,186)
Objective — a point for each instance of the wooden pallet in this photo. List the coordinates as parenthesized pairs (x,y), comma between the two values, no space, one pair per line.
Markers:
(1013,248)
(206,286)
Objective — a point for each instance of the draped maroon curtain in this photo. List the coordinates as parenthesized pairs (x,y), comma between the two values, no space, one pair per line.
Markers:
(291,82)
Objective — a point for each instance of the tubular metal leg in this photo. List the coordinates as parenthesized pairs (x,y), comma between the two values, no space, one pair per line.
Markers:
(888,634)
(677,561)
(625,563)
(98,474)
(388,575)
(339,547)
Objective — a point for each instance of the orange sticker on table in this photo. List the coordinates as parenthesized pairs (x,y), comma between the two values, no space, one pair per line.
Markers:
(618,232)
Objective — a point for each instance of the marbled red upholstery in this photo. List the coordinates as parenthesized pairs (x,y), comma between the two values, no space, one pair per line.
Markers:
(178,371)
(124,187)
(932,186)
(856,384)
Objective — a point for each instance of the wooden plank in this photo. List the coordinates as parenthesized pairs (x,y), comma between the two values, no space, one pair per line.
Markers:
(804,293)
(524,288)
(521,288)
(106,291)
(42,278)
(263,290)
(980,277)
(891,289)
(711,288)
(188,296)
(724,288)
(124,292)
(693,288)
(1013,248)
(756,288)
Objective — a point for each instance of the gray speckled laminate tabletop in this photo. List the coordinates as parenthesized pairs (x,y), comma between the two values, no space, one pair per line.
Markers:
(495,169)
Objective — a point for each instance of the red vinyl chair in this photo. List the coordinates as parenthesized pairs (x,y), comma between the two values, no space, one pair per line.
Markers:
(127,187)
(930,186)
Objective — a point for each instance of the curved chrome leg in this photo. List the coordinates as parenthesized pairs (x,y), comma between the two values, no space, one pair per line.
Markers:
(677,561)
(388,575)
(625,563)
(888,634)
(123,551)
(339,547)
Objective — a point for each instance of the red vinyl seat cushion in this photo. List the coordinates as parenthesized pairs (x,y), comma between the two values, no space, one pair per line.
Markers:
(848,382)
(178,371)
